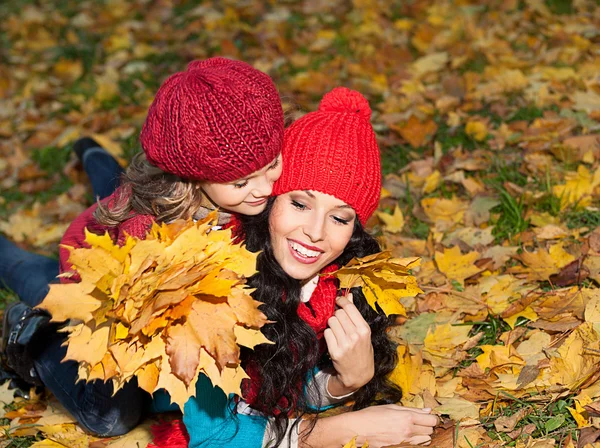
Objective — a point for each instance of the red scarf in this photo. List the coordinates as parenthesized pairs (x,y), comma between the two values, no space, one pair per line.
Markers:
(322,301)
(322,307)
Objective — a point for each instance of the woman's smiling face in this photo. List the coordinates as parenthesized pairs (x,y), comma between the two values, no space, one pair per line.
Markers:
(309,230)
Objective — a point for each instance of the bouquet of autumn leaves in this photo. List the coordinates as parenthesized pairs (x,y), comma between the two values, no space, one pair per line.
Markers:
(163,309)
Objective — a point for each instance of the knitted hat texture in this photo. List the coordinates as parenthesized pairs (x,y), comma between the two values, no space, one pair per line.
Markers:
(218,121)
(334,151)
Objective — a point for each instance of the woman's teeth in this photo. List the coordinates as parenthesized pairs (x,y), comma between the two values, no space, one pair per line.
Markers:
(304,251)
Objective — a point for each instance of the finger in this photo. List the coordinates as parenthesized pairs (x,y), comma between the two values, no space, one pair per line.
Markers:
(425,419)
(352,311)
(423,430)
(345,321)
(330,340)
(405,408)
(338,330)
(350,297)
(418,440)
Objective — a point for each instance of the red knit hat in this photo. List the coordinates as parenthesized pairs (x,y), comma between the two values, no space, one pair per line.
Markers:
(218,121)
(334,151)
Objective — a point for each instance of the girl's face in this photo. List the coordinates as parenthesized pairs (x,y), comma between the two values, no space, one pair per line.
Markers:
(246,196)
(309,230)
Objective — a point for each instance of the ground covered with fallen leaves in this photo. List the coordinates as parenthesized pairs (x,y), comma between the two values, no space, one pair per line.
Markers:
(488,116)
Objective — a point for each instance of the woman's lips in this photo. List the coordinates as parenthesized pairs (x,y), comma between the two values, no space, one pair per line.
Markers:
(304,254)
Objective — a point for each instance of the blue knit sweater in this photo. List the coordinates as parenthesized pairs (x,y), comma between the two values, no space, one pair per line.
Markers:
(210,421)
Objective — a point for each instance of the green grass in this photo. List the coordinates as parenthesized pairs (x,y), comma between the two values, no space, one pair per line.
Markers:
(549,204)
(560,6)
(527,113)
(502,172)
(6,297)
(394,158)
(551,421)
(477,64)
(20,442)
(451,138)
(52,159)
(509,220)
(418,228)
(583,218)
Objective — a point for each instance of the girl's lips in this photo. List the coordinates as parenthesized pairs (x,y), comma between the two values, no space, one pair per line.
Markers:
(301,258)
(257,203)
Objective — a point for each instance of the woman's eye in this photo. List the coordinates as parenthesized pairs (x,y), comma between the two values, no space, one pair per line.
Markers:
(298,205)
(241,184)
(341,220)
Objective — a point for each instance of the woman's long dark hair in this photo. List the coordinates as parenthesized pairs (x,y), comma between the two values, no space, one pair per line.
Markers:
(286,365)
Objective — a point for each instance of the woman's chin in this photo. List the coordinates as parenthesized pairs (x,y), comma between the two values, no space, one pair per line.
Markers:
(300,272)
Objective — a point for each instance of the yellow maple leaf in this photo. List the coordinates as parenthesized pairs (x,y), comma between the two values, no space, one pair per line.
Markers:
(392,223)
(163,309)
(496,356)
(407,371)
(430,63)
(477,130)
(579,413)
(458,408)
(578,188)
(544,263)
(576,359)
(384,280)
(432,182)
(451,211)
(68,70)
(440,346)
(352,443)
(528,313)
(456,266)
(416,132)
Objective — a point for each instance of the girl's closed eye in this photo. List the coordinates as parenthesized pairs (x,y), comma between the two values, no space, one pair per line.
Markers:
(275,164)
(241,184)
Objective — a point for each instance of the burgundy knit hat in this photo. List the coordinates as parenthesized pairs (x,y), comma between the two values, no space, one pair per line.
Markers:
(218,121)
(334,151)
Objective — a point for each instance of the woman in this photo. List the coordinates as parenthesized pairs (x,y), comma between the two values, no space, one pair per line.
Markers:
(328,189)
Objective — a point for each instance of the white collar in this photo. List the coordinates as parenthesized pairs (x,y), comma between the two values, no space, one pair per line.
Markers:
(308,288)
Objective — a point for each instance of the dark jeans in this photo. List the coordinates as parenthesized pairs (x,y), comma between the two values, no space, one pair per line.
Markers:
(28,275)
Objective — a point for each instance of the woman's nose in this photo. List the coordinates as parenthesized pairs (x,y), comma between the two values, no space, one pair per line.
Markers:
(314,229)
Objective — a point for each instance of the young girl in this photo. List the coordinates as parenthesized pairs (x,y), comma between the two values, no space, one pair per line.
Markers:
(212,139)
(329,187)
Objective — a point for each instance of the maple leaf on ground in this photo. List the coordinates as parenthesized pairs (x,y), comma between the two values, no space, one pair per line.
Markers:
(456,266)
(392,223)
(540,265)
(444,213)
(384,280)
(415,132)
(578,188)
(163,309)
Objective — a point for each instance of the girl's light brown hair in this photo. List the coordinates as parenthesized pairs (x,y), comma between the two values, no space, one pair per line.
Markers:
(147,190)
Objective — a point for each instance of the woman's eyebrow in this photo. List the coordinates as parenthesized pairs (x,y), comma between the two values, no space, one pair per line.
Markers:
(310,195)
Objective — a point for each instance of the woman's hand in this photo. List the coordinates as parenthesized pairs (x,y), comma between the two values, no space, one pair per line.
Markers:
(391,424)
(381,426)
(349,343)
